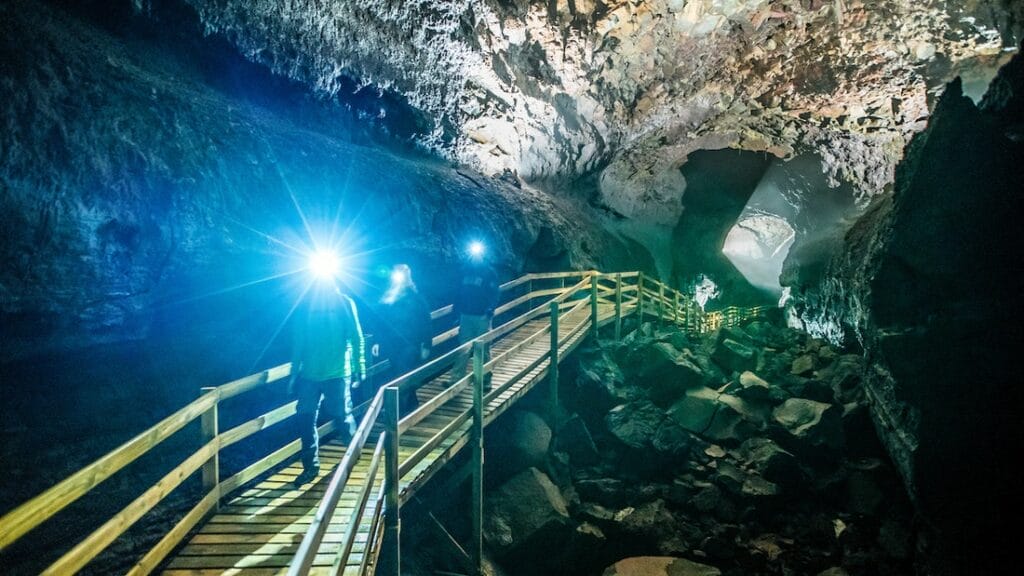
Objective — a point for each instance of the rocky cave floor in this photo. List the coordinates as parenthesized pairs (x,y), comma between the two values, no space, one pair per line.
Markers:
(748,451)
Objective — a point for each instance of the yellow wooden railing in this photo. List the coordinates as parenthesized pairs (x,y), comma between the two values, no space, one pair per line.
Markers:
(560,294)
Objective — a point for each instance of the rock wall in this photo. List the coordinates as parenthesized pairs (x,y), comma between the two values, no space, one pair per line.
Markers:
(628,88)
(927,282)
(128,183)
(144,195)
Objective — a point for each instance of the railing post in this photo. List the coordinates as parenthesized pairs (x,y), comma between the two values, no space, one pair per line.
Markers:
(594,325)
(675,307)
(618,306)
(211,469)
(640,300)
(661,302)
(553,365)
(392,519)
(477,440)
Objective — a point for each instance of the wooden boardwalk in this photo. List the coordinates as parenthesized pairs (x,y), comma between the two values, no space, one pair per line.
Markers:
(258,531)
(258,522)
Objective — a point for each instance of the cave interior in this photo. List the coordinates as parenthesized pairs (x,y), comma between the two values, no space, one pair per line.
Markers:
(839,182)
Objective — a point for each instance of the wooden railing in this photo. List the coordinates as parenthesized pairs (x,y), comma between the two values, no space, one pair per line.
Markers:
(561,295)
(387,504)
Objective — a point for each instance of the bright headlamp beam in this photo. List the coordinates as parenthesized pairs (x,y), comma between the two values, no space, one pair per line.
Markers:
(398,277)
(476,249)
(324,264)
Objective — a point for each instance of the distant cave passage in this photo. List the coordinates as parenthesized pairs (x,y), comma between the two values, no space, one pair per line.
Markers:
(792,206)
(758,245)
(719,185)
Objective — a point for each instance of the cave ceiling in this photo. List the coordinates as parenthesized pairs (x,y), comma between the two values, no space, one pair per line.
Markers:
(622,91)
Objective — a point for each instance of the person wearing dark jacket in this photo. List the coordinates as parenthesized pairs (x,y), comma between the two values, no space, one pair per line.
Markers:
(406,335)
(327,356)
(477,297)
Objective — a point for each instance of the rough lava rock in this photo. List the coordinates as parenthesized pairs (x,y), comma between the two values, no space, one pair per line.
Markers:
(523,438)
(816,423)
(627,89)
(660,566)
(636,423)
(922,282)
(528,513)
(735,356)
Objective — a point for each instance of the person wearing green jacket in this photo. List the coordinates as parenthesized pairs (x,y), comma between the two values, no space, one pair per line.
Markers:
(328,359)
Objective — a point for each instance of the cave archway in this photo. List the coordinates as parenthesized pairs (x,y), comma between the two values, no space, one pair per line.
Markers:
(719,185)
(753,223)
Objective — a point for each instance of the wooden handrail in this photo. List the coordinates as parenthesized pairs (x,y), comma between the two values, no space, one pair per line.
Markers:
(253,381)
(87,549)
(41,508)
(428,407)
(360,508)
(318,528)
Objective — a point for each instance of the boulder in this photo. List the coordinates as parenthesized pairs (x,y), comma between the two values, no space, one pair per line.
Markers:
(707,413)
(667,373)
(735,356)
(595,512)
(769,460)
(525,513)
(602,383)
(826,354)
(757,487)
(522,438)
(815,423)
(753,387)
(803,365)
(730,477)
(812,389)
(671,438)
(635,424)
(604,491)
(696,409)
(736,333)
(650,521)
(709,498)
(754,412)
(659,566)
(575,440)
(844,377)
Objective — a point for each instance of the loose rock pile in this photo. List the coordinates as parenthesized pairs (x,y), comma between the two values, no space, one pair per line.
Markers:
(749,451)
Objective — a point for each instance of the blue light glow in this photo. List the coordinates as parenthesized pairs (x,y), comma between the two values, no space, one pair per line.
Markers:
(399,276)
(324,264)
(477,249)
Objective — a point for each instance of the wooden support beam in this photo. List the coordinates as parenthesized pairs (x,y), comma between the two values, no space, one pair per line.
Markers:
(392,480)
(661,303)
(675,306)
(209,429)
(553,367)
(594,324)
(618,307)
(640,300)
(476,545)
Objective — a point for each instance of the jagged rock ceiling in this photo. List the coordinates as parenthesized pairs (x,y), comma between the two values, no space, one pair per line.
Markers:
(627,89)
